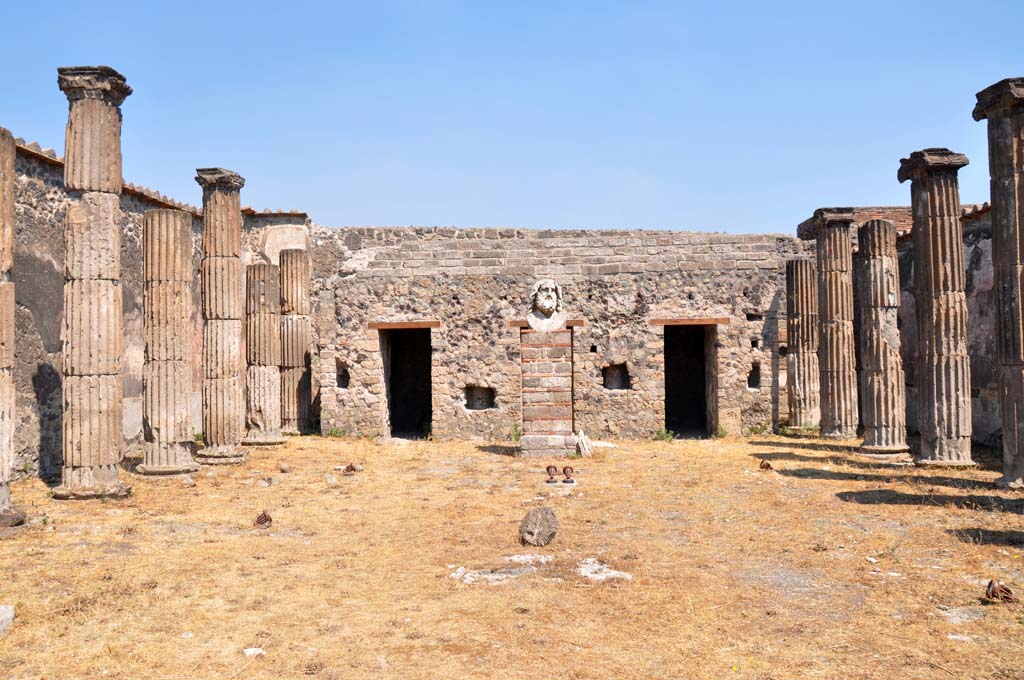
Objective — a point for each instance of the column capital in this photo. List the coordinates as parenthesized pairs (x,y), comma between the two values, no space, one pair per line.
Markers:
(1006,96)
(93,82)
(219,178)
(930,161)
(833,217)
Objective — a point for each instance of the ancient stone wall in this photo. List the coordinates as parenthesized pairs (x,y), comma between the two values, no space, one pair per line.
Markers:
(474,281)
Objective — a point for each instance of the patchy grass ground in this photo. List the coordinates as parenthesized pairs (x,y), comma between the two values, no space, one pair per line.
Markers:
(736,572)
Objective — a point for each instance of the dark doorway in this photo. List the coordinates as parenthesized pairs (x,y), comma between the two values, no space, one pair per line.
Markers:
(406,355)
(686,411)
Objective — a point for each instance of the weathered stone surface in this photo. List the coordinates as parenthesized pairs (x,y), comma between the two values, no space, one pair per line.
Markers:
(92,237)
(1002,104)
(167,246)
(7,171)
(167,418)
(943,372)
(262,289)
(223,417)
(881,378)
(7,329)
(295,276)
(263,340)
(93,335)
(222,215)
(263,406)
(92,421)
(295,339)
(538,527)
(92,160)
(295,400)
(7,425)
(222,288)
(167,320)
(836,346)
(222,349)
(584,447)
(802,373)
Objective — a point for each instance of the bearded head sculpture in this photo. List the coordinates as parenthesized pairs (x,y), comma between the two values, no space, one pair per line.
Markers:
(545,312)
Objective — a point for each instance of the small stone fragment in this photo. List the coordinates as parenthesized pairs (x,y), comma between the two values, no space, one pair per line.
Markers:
(538,527)
(253,651)
(285,468)
(584,447)
(188,482)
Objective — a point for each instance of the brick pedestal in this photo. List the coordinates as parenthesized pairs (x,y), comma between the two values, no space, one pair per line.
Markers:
(547,393)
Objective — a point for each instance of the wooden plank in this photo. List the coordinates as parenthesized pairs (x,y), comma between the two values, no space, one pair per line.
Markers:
(711,321)
(395,325)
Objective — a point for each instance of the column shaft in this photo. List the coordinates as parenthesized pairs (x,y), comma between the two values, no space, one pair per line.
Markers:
(838,373)
(944,370)
(882,386)
(263,355)
(9,516)
(167,372)
(802,374)
(1002,104)
(296,337)
(221,273)
(92,327)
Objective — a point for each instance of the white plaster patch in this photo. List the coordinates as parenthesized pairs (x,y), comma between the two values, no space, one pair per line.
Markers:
(590,568)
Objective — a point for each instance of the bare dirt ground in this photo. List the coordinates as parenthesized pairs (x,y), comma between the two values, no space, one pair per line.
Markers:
(826,567)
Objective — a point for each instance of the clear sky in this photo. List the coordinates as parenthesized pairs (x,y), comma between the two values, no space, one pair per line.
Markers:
(741,117)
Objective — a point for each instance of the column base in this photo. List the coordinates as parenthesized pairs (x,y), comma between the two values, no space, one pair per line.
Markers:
(157,470)
(931,462)
(885,455)
(841,435)
(219,455)
(84,493)
(263,439)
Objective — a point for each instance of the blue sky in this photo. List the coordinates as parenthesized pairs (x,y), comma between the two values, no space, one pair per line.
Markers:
(741,117)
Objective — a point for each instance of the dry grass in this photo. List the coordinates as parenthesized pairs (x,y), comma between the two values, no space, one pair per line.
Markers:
(737,572)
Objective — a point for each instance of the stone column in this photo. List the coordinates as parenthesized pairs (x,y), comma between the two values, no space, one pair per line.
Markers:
(881,379)
(1002,105)
(223,400)
(944,368)
(802,376)
(263,355)
(9,516)
(167,371)
(92,329)
(296,384)
(838,372)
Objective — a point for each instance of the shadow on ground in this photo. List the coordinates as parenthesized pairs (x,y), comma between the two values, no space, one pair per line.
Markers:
(971,502)
(816,473)
(980,536)
(499,450)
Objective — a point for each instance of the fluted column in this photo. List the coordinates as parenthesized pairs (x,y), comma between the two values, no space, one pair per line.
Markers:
(221,273)
(802,375)
(1002,105)
(167,371)
(9,516)
(944,368)
(92,330)
(263,355)
(296,385)
(837,368)
(882,387)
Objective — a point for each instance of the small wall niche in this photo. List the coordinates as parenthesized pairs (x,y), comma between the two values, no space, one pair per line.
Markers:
(754,377)
(616,377)
(479,398)
(341,369)
(783,350)
(754,316)
(755,343)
